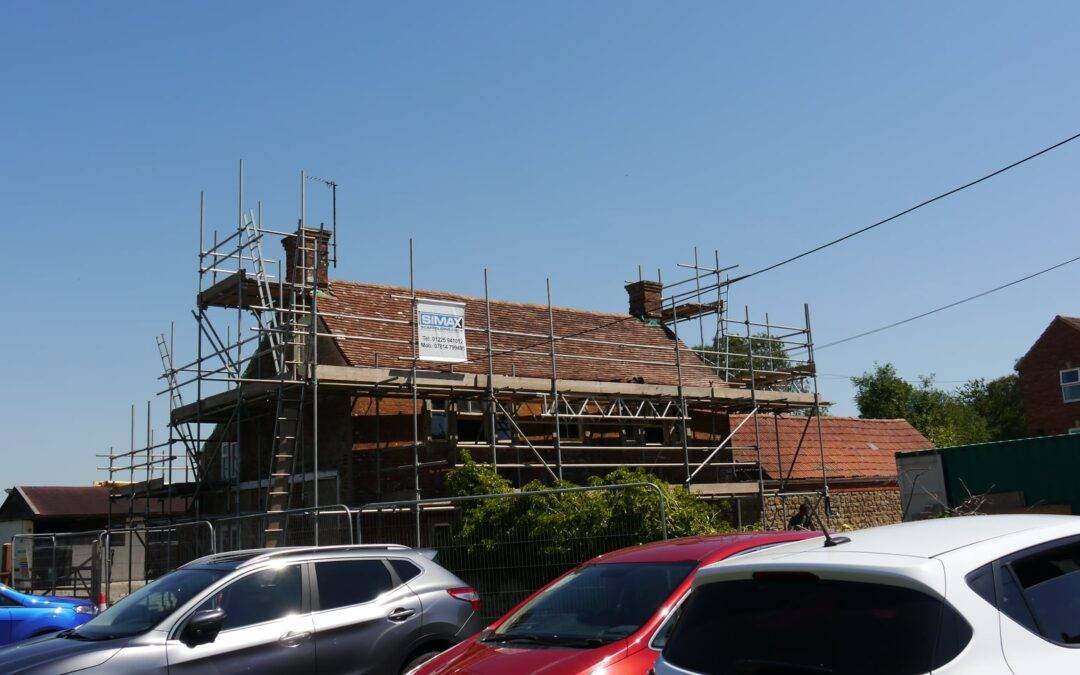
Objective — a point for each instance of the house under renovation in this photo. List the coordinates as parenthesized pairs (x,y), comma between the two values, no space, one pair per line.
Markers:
(304,390)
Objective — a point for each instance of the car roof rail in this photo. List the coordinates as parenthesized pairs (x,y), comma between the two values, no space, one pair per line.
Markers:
(252,556)
(269,554)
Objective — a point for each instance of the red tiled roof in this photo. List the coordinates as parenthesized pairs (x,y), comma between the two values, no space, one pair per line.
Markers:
(607,362)
(854,447)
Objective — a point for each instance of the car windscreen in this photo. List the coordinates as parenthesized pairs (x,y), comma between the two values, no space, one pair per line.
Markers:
(148,606)
(595,605)
(802,624)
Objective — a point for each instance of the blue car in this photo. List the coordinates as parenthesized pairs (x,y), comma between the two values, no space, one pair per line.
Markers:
(23,616)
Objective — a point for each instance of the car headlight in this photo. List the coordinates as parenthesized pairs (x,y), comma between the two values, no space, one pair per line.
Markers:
(86,609)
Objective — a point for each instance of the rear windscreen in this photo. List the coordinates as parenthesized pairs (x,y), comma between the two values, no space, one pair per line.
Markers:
(809,625)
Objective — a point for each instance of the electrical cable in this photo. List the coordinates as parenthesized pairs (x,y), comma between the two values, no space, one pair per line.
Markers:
(908,210)
(948,306)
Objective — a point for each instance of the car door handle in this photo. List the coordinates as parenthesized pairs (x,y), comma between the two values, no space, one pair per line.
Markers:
(400,614)
(293,639)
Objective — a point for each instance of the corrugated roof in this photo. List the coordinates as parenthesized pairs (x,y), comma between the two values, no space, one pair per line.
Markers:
(854,447)
(527,325)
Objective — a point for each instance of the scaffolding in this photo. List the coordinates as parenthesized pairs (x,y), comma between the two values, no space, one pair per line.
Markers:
(259,326)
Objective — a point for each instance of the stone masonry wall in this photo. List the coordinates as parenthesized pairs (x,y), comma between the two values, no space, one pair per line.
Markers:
(853,508)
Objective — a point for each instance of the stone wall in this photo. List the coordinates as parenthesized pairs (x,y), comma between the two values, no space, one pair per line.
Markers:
(853,508)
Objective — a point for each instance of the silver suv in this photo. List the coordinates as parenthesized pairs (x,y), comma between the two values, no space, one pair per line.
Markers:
(337,609)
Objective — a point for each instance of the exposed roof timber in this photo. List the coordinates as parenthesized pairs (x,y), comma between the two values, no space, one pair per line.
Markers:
(688,310)
(226,294)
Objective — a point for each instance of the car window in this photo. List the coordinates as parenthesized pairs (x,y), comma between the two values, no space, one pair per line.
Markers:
(1050,581)
(266,595)
(151,604)
(405,569)
(660,639)
(982,582)
(601,602)
(351,582)
(804,624)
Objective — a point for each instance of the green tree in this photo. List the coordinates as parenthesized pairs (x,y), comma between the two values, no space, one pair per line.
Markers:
(978,411)
(998,402)
(770,358)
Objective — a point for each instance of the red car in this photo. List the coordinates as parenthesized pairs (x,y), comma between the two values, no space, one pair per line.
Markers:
(602,616)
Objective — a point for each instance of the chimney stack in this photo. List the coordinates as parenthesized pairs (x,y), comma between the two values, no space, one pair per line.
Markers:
(645,298)
(300,257)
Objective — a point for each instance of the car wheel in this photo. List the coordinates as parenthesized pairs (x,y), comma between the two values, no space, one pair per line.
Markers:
(420,659)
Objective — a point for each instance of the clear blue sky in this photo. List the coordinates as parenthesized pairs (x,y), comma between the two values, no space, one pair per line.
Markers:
(573,140)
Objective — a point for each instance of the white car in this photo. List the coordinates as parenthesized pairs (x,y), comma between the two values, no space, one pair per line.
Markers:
(979,594)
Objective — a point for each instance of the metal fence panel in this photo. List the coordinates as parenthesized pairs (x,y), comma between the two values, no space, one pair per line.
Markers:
(136,556)
(57,564)
(326,526)
(505,557)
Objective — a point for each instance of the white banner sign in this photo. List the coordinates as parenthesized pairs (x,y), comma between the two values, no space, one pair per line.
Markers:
(441,330)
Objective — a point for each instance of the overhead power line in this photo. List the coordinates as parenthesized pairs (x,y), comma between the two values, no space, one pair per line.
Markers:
(910,209)
(838,240)
(948,306)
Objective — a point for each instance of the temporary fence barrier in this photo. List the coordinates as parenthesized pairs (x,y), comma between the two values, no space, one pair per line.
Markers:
(62,563)
(323,526)
(135,556)
(508,545)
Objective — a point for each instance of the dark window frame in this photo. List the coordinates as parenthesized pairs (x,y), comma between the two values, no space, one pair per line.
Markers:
(313,584)
(1003,566)
(396,577)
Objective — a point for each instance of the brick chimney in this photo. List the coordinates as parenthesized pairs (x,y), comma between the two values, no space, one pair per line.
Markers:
(645,298)
(300,259)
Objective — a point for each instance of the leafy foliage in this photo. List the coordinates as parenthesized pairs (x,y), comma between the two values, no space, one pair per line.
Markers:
(769,355)
(575,515)
(978,411)
(506,547)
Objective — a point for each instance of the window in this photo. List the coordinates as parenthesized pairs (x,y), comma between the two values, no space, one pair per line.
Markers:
(5,601)
(230,461)
(405,569)
(792,624)
(1050,583)
(1074,430)
(662,634)
(570,430)
(351,582)
(1070,385)
(265,595)
(654,435)
(439,427)
(604,602)
(150,605)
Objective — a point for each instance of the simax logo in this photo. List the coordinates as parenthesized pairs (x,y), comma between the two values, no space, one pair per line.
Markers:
(443,321)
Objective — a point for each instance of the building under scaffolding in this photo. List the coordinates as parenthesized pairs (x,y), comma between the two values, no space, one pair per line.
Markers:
(306,391)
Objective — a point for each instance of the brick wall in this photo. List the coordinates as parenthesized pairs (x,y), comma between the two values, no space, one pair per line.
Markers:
(1045,412)
(853,508)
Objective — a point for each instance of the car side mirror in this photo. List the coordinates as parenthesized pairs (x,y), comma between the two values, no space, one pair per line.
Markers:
(203,627)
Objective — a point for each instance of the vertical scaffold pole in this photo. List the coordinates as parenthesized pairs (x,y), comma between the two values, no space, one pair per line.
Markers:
(490,405)
(817,411)
(753,403)
(313,370)
(682,397)
(554,383)
(415,408)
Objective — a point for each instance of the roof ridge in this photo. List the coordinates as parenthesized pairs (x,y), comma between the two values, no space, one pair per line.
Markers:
(535,305)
